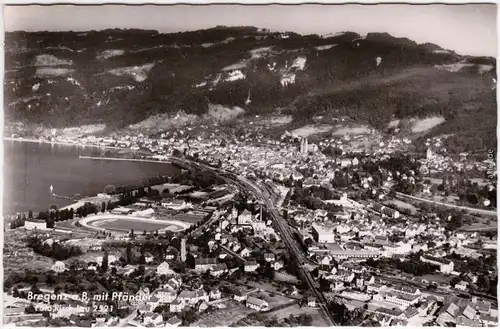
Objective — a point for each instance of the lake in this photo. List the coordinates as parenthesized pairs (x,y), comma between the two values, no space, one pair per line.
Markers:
(30,168)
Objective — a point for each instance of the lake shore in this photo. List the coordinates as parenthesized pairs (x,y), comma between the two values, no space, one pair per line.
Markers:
(32,140)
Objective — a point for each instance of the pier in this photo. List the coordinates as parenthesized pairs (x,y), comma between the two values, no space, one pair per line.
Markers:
(56,196)
(125,159)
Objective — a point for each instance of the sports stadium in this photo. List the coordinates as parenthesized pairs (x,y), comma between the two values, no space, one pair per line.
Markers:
(126,223)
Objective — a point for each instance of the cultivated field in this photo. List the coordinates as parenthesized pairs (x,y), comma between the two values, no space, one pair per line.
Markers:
(359,130)
(232,313)
(312,130)
(296,310)
(426,124)
(403,205)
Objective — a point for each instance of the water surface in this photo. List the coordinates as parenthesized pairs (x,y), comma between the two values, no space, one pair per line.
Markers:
(31,168)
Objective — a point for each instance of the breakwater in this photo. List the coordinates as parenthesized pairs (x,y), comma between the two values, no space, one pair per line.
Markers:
(124,159)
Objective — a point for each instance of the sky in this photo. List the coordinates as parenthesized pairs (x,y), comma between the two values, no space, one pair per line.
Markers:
(468,29)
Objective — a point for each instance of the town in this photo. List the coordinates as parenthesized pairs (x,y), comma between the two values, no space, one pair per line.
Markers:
(262,231)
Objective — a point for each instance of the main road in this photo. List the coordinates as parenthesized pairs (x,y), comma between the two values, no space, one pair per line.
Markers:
(266,198)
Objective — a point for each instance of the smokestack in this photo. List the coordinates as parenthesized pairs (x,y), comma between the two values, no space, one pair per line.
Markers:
(183,250)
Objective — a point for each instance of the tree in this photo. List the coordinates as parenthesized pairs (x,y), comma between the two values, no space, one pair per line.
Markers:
(128,252)
(104,265)
(103,207)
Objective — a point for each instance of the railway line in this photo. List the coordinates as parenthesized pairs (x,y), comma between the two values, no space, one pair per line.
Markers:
(268,199)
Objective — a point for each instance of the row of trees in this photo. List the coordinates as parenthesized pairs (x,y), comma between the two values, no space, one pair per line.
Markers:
(411,266)
(53,250)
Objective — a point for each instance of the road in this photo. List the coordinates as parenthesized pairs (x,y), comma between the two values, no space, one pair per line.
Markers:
(267,199)
(469,209)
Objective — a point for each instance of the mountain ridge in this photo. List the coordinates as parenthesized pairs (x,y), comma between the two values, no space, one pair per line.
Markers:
(120,77)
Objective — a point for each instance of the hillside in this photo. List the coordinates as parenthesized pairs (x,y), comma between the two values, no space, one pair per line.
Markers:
(119,78)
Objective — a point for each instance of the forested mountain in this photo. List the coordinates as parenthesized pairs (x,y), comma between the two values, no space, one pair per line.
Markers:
(119,77)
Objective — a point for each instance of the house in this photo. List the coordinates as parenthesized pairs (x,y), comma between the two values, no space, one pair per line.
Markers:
(154,319)
(173,283)
(311,301)
(483,307)
(343,275)
(337,285)
(374,287)
(292,291)
(411,290)
(148,258)
(462,285)
(239,296)
(177,306)
(390,313)
(245,252)
(352,267)
(269,257)
(164,268)
(257,304)
(165,295)
(469,312)
(173,322)
(278,265)
(218,270)
(411,313)
(202,306)
(215,294)
(204,264)
(192,297)
(488,320)
(245,218)
(251,266)
(344,162)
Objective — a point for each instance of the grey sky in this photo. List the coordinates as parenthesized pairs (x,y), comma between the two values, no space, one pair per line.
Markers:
(467,29)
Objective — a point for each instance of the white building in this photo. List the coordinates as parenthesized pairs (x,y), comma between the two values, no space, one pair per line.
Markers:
(245,218)
(59,267)
(165,295)
(445,266)
(31,224)
(175,204)
(257,304)
(322,234)
(164,268)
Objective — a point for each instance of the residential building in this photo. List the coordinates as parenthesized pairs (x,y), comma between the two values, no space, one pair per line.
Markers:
(257,304)
(173,322)
(165,295)
(218,270)
(251,266)
(154,319)
(191,297)
(177,306)
(204,264)
(240,296)
(245,218)
(445,266)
